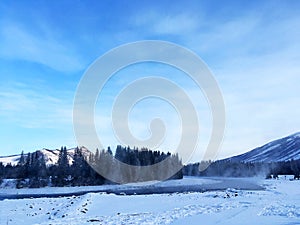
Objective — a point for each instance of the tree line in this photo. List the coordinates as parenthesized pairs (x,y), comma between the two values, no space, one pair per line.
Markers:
(31,170)
(228,168)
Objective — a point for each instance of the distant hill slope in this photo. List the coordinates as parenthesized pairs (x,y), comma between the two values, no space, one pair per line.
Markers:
(283,149)
(51,156)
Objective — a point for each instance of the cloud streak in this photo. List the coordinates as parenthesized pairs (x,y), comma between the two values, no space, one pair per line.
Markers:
(18,43)
(29,108)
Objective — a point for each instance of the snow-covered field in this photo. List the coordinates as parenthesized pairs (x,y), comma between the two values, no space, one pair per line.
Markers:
(278,204)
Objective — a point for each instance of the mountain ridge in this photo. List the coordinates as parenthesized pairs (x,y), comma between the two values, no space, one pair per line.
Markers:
(50,155)
(279,150)
(282,149)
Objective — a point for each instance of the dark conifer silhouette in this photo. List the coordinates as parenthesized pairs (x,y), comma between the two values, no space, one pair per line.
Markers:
(81,168)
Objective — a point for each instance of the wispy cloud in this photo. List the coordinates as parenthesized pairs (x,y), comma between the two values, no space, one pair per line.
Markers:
(29,108)
(18,43)
(173,24)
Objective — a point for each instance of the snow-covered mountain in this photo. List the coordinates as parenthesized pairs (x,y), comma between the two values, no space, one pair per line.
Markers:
(51,156)
(283,149)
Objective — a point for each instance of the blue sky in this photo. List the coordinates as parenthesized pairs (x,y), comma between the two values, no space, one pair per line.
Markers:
(252,47)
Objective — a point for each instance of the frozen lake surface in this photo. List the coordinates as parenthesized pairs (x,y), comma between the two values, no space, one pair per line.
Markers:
(188,184)
(277,203)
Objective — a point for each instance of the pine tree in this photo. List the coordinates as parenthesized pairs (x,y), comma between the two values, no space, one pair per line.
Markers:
(22,159)
(63,168)
(295,169)
(1,172)
(38,170)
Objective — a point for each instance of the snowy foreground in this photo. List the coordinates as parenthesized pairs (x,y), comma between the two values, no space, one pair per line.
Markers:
(279,203)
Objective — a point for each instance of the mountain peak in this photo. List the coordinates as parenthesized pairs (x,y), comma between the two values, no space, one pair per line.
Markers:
(51,156)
